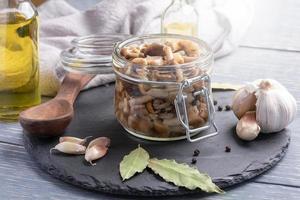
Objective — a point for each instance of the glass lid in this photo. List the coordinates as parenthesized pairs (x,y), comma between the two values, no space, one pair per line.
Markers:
(91,54)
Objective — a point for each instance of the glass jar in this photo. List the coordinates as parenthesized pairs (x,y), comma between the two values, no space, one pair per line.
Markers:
(19,59)
(168,102)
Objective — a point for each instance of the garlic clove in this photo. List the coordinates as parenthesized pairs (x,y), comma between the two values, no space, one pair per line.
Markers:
(94,153)
(247,127)
(69,148)
(100,141)
(244,100)
(276,108)
(74,139)
(97,149)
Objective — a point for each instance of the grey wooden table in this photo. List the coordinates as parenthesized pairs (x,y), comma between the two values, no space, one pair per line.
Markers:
(271,49)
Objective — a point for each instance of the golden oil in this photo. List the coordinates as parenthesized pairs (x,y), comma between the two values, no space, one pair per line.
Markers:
(180,17)
(181,28)
(19,64)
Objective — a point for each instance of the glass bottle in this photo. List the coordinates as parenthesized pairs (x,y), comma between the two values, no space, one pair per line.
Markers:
(180,18)
(19,59)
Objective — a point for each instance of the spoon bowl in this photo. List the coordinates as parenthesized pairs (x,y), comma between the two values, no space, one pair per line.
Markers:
(54,115)
(52,118)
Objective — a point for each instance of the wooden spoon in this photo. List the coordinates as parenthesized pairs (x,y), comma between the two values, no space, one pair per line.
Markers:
(53,117)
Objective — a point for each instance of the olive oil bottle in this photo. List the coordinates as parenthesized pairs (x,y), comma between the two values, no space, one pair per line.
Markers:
(19,60)
(180,18)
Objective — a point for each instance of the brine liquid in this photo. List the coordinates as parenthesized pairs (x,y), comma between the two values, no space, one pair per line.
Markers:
(180,28)
(19,65)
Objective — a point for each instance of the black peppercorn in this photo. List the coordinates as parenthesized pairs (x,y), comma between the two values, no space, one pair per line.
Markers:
(215,102)
(196,152)
(220,108)
(194,161)
(227,149)
(227,107)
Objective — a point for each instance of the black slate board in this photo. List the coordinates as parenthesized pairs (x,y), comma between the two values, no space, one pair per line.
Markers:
(94,116)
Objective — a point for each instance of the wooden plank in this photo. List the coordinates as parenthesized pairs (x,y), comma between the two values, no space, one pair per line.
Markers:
(248,64)
(276,25)
(251,191)
(287,172)
(22,179)
(11,132)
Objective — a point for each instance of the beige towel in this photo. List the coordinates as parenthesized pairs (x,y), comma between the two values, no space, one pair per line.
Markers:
(222,24)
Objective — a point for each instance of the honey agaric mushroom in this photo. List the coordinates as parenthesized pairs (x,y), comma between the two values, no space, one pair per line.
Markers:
(161,128)
(155,60)
(154,49)
(188,59)
(169,57)
(130,53)
(140,61)
(190,48)
(178,59)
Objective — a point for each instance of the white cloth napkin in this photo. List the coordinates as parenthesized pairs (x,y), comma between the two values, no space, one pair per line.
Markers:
(222,24)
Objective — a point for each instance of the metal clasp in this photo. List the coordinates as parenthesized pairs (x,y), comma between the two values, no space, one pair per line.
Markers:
(181,108)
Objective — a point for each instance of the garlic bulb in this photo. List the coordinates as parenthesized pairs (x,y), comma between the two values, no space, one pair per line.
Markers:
(275,107)
(244,100)
(247,127)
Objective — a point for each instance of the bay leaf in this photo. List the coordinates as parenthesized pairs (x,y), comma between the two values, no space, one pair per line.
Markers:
(135,162)
(183,175)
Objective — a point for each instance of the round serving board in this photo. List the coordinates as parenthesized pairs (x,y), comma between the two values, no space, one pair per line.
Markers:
(94,117)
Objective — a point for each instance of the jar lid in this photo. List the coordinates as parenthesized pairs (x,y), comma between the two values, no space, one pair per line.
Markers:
(91,54)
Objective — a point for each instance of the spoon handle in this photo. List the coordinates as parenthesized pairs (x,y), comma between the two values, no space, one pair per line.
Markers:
(71,86)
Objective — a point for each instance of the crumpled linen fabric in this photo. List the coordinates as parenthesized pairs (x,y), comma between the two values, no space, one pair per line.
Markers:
(222,24)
